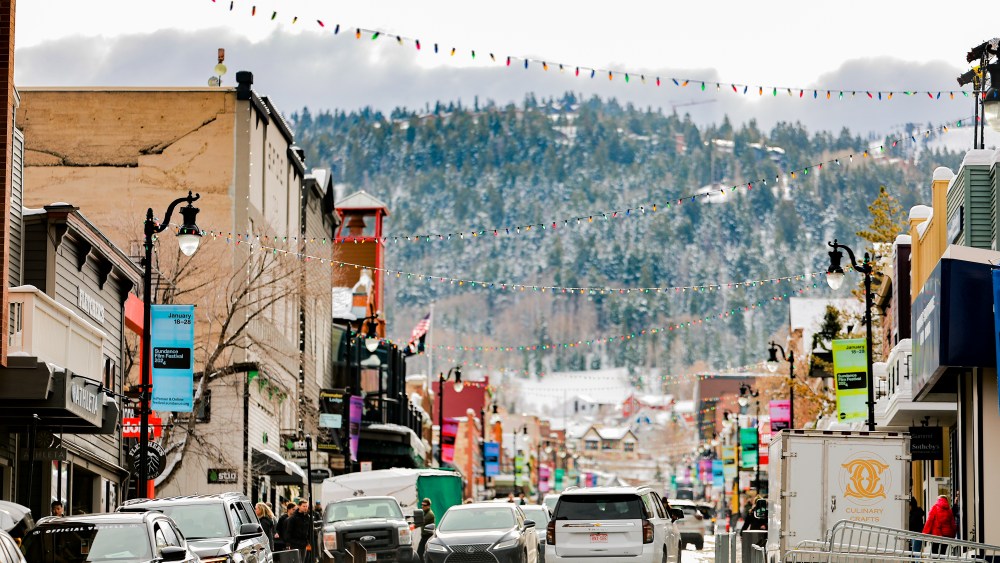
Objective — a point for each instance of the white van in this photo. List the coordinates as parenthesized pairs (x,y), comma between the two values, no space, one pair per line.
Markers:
(593,525)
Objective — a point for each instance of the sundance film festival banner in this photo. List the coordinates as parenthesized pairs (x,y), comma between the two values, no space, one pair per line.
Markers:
(996,316)
(780,415)
(171,335)
(448,432)
(850,369)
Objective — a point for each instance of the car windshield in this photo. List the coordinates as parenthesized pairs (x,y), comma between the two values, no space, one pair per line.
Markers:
(363,508)
(198,521)
(79,543)
(599,507)
(536,514)
(469,519)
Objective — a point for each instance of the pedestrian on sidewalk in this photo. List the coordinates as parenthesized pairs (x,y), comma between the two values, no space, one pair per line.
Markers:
(755,522)
(299,531)
(916,523)
(940,522)
(266,518)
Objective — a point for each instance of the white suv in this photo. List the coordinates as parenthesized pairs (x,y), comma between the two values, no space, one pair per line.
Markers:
(593,525)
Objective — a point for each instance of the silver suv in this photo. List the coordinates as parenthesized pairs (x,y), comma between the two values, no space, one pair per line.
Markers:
(593,525)
(692,526)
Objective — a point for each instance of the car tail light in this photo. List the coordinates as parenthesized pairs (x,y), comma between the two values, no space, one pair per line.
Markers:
(647,531)
(550,533)
(330,540)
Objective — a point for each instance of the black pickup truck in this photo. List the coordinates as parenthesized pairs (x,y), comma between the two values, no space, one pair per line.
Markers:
(377,523)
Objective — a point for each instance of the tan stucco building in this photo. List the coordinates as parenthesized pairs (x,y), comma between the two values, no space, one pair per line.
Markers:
(113,152)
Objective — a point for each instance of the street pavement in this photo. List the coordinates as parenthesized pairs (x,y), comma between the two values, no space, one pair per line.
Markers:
(704,555)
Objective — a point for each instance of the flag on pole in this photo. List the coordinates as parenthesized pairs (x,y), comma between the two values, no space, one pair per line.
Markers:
(417,336)
(421,329)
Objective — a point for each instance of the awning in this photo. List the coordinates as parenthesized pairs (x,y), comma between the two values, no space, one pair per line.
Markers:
(280,470)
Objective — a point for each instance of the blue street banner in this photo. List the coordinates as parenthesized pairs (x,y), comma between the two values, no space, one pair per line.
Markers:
(850,369)
(718,474)
(172,342)
(491,453)
(996,315)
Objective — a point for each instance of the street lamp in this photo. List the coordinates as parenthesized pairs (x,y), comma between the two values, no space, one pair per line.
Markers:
(987,101)
(747,393)
(772,366)
(188,237)
(835,278)
(442,378)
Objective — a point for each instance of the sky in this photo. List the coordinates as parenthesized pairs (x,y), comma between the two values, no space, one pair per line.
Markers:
(887,45)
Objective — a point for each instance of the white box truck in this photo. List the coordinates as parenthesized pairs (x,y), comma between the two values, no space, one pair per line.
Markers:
(820,477)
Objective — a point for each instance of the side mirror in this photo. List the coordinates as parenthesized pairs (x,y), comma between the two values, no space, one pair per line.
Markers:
(428,530)
(529,523)
(418,518)
(249,531)
(676,513)
(173,553)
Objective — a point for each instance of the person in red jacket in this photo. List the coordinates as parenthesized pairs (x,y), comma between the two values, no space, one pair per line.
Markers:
(940,522)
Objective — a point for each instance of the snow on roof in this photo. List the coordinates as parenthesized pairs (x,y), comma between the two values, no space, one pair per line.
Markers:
(655,400)
(807,314)
(684,406)
(612,432)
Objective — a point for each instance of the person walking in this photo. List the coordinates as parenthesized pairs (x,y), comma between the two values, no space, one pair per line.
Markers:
(425,534)
(266,518)
(280,529)
(916,523)
(756,521)
(940,522)
(298,530)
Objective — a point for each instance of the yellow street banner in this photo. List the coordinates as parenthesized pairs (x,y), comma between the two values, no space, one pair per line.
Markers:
(850,369)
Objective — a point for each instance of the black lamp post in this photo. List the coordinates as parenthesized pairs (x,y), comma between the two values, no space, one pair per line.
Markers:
(188,237)
(482,419)
(987,101)
(442,378)
(835,278)
(772,366)
(747,393)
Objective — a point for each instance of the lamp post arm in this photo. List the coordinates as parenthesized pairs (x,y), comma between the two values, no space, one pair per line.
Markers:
(864,268)
(151,228)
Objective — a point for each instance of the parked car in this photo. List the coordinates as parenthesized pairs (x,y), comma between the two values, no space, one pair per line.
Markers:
(486,531)
(148,536)
(540,515)
(377,523)
(9,551)
(600,523)
(692,526)
(220,527)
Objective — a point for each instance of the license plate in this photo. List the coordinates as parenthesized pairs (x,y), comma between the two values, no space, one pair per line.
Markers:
(598,538)
(371,556)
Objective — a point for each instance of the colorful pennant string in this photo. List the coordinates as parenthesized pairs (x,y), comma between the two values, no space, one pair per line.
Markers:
(795,92)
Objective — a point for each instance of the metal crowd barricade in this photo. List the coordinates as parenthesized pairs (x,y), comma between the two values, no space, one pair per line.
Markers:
(725,548)
(757,554)
(858,542)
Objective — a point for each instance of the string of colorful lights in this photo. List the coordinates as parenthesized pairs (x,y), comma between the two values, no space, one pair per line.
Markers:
(249,240)
(625,76)
(619,338)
